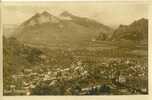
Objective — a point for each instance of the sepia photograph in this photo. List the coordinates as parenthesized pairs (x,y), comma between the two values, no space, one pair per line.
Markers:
(75,48)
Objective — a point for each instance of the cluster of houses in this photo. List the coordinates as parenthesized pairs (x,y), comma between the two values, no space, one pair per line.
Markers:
(124,72)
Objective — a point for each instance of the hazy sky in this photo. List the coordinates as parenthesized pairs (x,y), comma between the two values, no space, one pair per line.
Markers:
(112,14)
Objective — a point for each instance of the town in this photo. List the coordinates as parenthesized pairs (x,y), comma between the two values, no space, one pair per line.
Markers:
(115,76)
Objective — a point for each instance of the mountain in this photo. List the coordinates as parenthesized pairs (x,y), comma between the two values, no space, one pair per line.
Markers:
(37,19)
(136,31)
(86,22)
(46,29)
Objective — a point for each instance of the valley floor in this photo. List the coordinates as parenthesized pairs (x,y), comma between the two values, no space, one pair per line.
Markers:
(45,71)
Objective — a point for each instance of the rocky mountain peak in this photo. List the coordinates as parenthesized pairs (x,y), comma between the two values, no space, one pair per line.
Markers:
(66,13)
(40,18)
(45,13)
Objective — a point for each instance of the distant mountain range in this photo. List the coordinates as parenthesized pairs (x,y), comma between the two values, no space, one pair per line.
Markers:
(45,28)
(68,29)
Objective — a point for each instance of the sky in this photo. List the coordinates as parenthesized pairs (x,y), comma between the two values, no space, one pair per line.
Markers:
(111,14)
